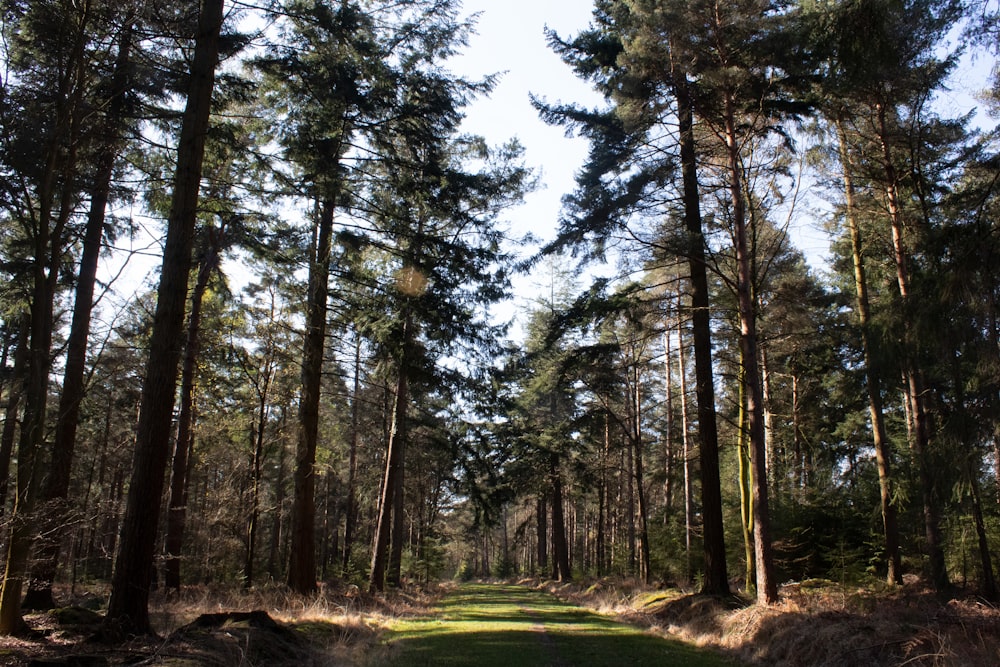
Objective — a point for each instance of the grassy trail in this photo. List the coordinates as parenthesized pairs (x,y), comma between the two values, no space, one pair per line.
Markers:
(487,625)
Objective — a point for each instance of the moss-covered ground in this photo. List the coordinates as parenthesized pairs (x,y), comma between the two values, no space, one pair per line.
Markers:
(496,625)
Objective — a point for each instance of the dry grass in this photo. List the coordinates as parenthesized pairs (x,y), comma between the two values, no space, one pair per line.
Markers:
(221,627)
(816,624)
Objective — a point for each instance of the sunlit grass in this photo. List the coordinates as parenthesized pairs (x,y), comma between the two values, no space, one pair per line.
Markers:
(511,626)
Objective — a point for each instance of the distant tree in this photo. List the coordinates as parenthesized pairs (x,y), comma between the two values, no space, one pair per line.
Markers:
(436,211)
(625,173)
(326,81)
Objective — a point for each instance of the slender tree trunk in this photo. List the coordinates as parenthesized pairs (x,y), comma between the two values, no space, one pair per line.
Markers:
(542,532)
(256,465)
(716,581)
(12,413)
(767,589)
(996,465)
(686,449)
(745,482)
(915,384)
(394,569)
(352,467)
(989,582)
(274,552)
(184,441)
(302,560)
(769,439)
(873,375)
(668,439)
(560,549)
(644,557)
(128,611)
(391,487)
(602,499)
(628,477)
(56,489)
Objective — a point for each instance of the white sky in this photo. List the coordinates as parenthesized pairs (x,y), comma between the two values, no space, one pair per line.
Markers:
(511,41)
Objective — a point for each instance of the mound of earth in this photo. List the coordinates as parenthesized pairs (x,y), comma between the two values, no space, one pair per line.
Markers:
(232,638)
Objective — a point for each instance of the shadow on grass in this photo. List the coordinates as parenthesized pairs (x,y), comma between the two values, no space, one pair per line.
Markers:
(509,626)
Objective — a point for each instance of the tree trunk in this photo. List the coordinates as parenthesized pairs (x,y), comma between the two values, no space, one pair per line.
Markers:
(128,611)
(542,532)
(686,451)
(913,375)
(989,582)
(560,550)
(14,396)
(767,589)
(873,375)
(628,477)
(716,581)
(769,439)
(274,551)
(352,467)
(56,489)
(745,477)
(302,561)
(644,557)
(668,439)
(184,441)
(391,487)
(394,570)
(256,465)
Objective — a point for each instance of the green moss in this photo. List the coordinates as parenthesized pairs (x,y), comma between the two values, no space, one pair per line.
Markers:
(504,625)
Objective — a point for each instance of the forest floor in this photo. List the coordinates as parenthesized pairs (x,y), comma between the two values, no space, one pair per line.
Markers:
(816,624)
(497,625)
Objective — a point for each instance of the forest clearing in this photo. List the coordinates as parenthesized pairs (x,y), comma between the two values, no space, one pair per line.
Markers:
(358,362)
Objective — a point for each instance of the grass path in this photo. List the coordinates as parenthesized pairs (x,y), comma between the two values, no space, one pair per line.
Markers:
(492,625)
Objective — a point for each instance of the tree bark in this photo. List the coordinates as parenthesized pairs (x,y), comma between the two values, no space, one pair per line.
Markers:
(668,439)
(745,477)
(767,589)
(184,441)
(542,533)
(639,473)
(39,595)
(391,487)
(46,233)
(256,465)
(560,550)
(398,444)
(351,519)
(128,612)
(913,375)
(716,581)
(14,396)
(873,375)
(686,450)
(302,560)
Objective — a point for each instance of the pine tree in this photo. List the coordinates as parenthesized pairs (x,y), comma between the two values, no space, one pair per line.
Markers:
(128,611)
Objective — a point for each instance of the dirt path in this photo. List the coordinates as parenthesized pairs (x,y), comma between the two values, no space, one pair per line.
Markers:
(486,625)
